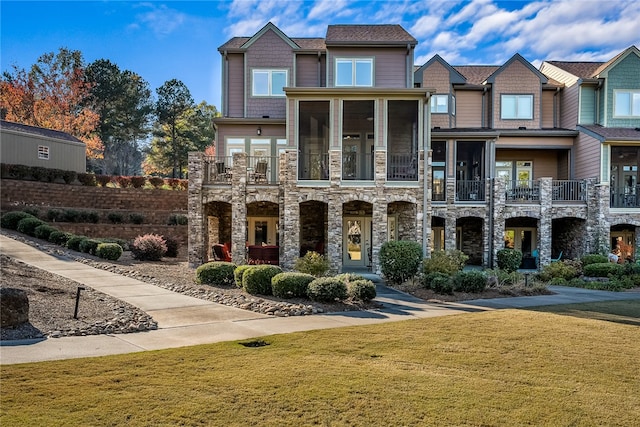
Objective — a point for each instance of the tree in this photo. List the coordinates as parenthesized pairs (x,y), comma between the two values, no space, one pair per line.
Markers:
(51,95)
(123,101)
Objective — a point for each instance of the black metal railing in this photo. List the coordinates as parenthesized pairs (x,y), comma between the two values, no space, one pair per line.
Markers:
(625,197)
(262,170)
(218,170)
(523,191)
(357,166)
(402,167)
(470,191)
(568,191)
(313,166)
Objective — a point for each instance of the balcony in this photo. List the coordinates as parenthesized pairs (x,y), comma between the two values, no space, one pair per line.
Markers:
(470,191)
(568,191)
(625,197)
(262,170)
(357,166)
(523,191)
(218,170)
(402,167)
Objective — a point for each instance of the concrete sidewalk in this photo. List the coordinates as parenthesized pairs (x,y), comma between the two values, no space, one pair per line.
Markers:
(184,321)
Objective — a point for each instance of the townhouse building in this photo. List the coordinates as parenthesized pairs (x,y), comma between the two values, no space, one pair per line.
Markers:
(338,144)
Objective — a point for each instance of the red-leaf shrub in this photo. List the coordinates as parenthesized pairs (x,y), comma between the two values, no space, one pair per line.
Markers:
(150,247)
(87,179)
(138,181)
(156,181)
(123,181)
(103,180)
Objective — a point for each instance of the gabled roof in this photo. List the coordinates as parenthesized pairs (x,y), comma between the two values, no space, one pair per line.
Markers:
(476,74)
(454,75)
(368,35)
(589,70)
(519,58)
(604,68)
(310,43)
(611,134)
(270,27)
(34,130)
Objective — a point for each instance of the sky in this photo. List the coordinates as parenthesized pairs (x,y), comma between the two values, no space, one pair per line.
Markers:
(163,40)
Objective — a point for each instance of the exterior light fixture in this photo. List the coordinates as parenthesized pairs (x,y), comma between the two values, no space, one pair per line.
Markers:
(259,131)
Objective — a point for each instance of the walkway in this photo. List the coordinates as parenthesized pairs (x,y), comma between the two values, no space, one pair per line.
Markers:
(185,321)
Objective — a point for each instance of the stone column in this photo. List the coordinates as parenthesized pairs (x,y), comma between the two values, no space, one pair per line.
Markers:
(499,197)
(334,233)
(450,221)
(545,223)
(239,208)
(379,229)
(196,227)
(289,211)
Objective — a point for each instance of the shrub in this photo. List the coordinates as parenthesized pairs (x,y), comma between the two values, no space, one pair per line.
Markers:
(593,259)
(87,179)
(32,211)
(156,181)
(501,278)
(257,280)
(400,260)
(362,290)
(178,219)
(74,241)
(123,181)
(327,289)
(28,225)
(89,246)
(150,247)
(110,251)
(291,285)
(239,273)
(54,215)
(558,269)
(446,262)
(104,180)
(603,269)
(509,259)
(115,217)
(69,176)
(10,220)
(89,216)
(44,231)
(136,218)
(312,263)
(70,215)
(138,181)
(124,244)
(172,247)
(215,273)
(348,277)
(59,237)
(470,281)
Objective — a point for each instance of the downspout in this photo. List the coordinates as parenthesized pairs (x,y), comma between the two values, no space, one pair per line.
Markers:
(426,147)
(598,92)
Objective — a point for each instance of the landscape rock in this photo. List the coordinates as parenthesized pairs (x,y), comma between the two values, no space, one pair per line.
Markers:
(14,307)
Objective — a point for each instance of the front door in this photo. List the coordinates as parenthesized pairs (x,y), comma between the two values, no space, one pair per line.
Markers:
(356,241)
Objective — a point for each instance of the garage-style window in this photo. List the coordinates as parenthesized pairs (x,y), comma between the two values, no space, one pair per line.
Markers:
(43,152)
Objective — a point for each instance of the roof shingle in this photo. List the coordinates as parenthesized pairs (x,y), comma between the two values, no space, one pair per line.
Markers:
(34,130)
(476,74)
(368,34)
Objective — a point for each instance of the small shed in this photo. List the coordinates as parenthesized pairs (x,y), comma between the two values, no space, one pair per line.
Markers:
(34,146)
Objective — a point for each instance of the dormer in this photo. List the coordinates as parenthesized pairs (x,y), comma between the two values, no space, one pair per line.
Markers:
(367,56)
(516,90)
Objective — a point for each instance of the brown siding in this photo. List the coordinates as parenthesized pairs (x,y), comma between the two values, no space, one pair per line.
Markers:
(468,109)
(270,52)
(389,65)
(569,107)
(236,85)
(545,162)
(547,109)
(587,155)
(516,79)
(307,71)
(436,76)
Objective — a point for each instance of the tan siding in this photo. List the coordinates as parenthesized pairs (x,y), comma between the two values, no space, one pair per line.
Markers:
(21,149)
(547,109)
(587,157)
(468,109)
(236,85)
(545,162)
(516,79)
(534,141)
(389,65)
(436,76)
(307,71)
(569,107)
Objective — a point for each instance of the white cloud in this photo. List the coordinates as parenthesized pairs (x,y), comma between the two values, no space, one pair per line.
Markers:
(161,20)
(425,26)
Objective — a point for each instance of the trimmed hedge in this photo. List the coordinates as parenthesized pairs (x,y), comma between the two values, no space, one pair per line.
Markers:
(327,289)
(509,259)
(110,251)
(593,259)
(44,231)
(238,274)
(74,241)
(257,280)
(603,269)
(215,273)
(400,260)
(89,246)
(10,220)
(291,284)
(28,225)
(470,281)
(59,237)
(440,283)
(363,290)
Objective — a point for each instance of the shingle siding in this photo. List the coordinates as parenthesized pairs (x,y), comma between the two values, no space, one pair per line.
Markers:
(587,105)
(516,79)
(625,75)
(310,71)
(236,85)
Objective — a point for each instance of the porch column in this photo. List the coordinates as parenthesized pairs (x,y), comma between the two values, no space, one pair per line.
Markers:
(379,233)
(239,208)
(545,238)
(334,234)
(499,195)
(289,211)
(598,224)
(196,227)
(450,221)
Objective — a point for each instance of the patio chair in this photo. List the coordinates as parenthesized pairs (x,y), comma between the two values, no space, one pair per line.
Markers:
(260,175)
(220,254)
(557,259)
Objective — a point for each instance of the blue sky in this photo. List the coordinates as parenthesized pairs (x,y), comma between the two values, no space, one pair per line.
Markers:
(162,40)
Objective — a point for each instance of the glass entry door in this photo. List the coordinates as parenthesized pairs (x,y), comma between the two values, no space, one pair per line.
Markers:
(356,241)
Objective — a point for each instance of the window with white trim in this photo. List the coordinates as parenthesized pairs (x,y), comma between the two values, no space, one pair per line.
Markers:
(626,103)
(439,103)
(43,152)
(516,107)
(354,72)
(269,82)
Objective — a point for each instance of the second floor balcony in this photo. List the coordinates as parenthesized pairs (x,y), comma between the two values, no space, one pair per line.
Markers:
(627,196)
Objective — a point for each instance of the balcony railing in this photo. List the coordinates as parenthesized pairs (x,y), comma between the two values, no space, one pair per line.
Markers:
(523,191)
(262,170)
(470,191)
(217,170)
(313,166)
(625,197)
(357,166)
(402,167)
(569,191)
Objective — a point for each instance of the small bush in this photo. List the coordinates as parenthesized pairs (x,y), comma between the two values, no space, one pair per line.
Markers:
(559,269)
(593,259)
(156,181)
(59,237)
(44,231)
(172,247)
(115,217)
(441,284)
(178,219)
(362,290)
(89,216)
(110,251)
(54,215)
(124,244)
(400,260)
(87,179)
(291,285)
(470,281)
(500,278)
(150,247)
(348,277)
(32,211)
(446,262)
(327,289)
(138,181)
(136,218)
(70,215)
(257,280)
(603,269)
(509,259)
(239,273)
(69,176)
(312,263)
(10,220)
(89,246)
(74,241)
(123,181)
(215,273)
(104,180)
(28,225)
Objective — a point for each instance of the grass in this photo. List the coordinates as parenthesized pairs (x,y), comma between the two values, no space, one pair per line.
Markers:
(565,366)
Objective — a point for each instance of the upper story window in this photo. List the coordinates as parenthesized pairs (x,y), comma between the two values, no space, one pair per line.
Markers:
(626,103)
(269,82)
(354,72)
(516,107)
(440,104)
(43,152)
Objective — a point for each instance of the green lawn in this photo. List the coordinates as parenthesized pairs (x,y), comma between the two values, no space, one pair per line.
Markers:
(507,368)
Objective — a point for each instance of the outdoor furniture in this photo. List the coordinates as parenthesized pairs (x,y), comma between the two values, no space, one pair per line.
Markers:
(260,174)
(557,259)
(220,253)
(269,254)
(223,173)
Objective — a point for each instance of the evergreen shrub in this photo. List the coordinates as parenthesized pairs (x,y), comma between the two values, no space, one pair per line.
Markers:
(362,290)
(74,241)
(312,263)
(603,269)
(44,231)
(257,280)
(59,237)
(327,289)
(10,220)
(291,284)
(216,273)
(89,246)
(509,259)
(470,281)
(28,225)
(238,274)
(400,260)
(446,262)
(109,251)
